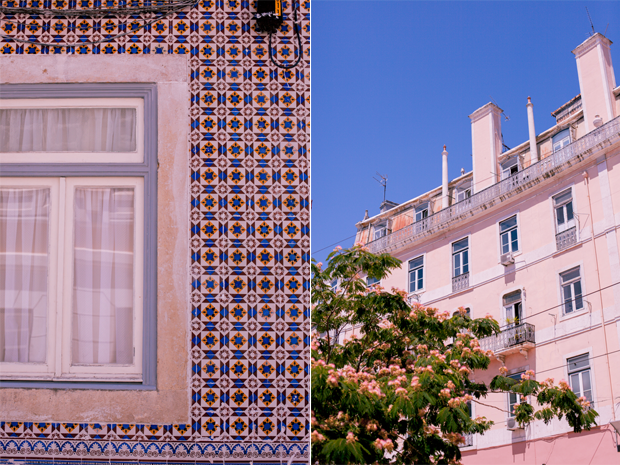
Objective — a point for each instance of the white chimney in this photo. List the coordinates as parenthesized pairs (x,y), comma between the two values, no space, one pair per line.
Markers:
(486,142)
(530,126)
(445,201)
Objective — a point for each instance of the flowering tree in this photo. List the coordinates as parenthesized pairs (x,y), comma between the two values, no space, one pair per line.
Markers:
(397,390)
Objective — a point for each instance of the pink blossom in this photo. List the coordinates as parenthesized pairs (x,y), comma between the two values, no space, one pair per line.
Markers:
(351,438)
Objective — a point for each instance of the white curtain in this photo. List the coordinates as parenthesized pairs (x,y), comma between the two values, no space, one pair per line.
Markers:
(103,270)
(24,219)
(68,130)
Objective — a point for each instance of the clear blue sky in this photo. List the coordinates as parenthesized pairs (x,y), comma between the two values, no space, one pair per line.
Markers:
(393,81)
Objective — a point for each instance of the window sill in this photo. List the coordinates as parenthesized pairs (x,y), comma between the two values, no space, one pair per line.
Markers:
(116,385)
(575,314)
(574,246)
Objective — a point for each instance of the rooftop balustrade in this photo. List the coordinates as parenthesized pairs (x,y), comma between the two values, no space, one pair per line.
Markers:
(524,180)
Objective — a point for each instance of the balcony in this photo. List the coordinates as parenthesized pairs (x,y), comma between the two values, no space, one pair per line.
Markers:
(566,239)
(545,170)
(511,340)
(460,282)
(469,440)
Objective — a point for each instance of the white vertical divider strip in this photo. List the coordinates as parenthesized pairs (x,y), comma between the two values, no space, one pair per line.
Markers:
(606,88)
(61,298)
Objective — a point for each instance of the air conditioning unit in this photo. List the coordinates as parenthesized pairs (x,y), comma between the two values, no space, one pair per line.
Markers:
(512,425)
(507,259)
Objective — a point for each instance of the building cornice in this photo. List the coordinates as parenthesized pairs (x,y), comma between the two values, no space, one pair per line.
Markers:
(590,43)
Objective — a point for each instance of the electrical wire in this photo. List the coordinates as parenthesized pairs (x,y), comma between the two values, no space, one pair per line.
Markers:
(299,47)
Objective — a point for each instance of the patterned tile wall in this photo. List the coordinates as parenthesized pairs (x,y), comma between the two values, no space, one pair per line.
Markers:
(249,227)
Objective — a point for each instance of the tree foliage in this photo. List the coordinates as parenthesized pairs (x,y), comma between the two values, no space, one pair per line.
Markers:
(398,390)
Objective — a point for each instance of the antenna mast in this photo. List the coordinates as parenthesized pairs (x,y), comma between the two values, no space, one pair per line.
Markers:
(592,25)
(383,182)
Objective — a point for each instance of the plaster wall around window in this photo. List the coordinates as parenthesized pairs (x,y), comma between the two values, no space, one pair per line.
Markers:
(170,401)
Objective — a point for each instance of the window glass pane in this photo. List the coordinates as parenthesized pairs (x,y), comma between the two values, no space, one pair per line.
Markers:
(577,363)
(509,223)
(460,245)
(511,298)
(457,264)
(570,275)
(415,263)
(560,215)
(24,224)
(563,197)
(569,211)
(505,247)
(578,299)
(514,240)
(465,262)
(103,276)
(420,278)
(574,384)
(568,299)
(68,130)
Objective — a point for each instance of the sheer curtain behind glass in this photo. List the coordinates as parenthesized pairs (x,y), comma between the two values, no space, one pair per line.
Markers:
(103,282)
(68,130)
(24,220)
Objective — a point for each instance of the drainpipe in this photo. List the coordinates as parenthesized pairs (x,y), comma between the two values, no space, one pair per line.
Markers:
(445,202)
(530,126)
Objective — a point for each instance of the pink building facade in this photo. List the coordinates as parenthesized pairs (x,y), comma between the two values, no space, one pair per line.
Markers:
(536,245)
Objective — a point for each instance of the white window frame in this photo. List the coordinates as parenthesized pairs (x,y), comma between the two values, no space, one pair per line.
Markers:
(571,285)
(568,224)
(422,211)
(416,270)
(460,253)
(374,281)
(518,396)
(508,166)
(135,169)
(563,142)
(511,308)
(584,351)
(463,193)
(380,231)
(580,372)
(136,156)
(501,234)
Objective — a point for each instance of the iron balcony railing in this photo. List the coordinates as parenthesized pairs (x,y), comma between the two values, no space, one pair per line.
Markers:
(567,238)
(460,282)
(469,440)
(509,337)
(525,179)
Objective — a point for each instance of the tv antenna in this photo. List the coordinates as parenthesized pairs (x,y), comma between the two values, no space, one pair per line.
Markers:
(503,112)
(591,24)
(383,181)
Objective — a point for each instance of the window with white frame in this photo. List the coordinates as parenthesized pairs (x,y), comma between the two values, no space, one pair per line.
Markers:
(513,308)
(463,193)
(421,212)
(579,376)
(570,283)
(508,235)
(370,281)
(510,167)
(561,140)
(381,230)
(514,398)
(460,257)
(416,274)
(75,177)
(564,214)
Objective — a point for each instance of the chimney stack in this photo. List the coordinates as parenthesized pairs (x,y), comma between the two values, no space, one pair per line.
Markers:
(596,79)
(445,201)
(486,141)
(530,126)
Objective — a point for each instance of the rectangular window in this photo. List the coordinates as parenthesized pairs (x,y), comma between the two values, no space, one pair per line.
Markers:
(416,274)
(510,167)
(508,235)
(513,308)
(514,398)
(579,376)
(371,281)
(570,283)
(421,212)
(460,257)
(564,215)
(73,247)
(380,231)
(561,140)
(462,194)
